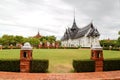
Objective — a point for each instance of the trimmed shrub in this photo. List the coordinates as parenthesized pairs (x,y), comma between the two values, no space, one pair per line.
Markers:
(39,66)
(110,65)
(60,48)
(84,65)
(10,65)
(114,48)
(70,47)
(105,48)
(89,65)
(14,65)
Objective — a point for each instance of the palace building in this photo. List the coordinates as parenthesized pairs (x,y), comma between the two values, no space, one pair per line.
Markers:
(80,37)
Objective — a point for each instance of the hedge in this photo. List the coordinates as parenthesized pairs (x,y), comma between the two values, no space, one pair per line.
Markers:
(114,49)
(110,65)
(59,48)
(10,65)
(39,66)
(89,65)
(84,65)
(14,65)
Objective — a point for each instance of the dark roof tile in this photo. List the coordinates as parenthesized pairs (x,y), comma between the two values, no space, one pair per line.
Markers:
(75,32)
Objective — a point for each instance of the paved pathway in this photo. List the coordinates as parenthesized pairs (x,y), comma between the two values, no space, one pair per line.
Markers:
(112,75)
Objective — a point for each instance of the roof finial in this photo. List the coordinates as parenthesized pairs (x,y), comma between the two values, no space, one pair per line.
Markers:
(74,26)
(74,15)
(38,31)
(91,20)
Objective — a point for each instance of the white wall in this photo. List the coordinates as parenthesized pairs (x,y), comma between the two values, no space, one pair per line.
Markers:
(83,42)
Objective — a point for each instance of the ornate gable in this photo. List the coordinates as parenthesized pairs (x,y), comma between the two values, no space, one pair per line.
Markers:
(75,32)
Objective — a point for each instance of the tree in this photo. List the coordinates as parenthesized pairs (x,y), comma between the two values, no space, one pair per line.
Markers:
(1,41)
(5,40)
(43,39)
(18,39)
(8,39)
(50,39)
(107,43)
(33,41)
(119,33)
(118,41)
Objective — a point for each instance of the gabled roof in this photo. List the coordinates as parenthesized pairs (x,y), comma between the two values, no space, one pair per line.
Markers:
(65,36)
(75,32)
(84,30)
(74,26)
(93,32)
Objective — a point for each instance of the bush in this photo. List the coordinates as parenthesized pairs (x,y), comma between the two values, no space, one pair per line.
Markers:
(68,48)
(10,65)
(60,48)
(110,65)
(89,65)
(14,65)
(84,65)
(39,66)
(114,48)
(105,48)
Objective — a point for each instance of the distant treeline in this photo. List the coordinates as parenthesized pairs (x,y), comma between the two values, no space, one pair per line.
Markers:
(8,40)
(111,44)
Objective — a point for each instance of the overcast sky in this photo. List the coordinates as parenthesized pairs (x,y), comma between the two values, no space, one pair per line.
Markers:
(52,17)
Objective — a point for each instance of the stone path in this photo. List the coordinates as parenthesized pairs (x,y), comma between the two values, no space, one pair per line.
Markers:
(111,75)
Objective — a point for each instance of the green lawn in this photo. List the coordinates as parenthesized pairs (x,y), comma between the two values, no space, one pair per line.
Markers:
(60,60)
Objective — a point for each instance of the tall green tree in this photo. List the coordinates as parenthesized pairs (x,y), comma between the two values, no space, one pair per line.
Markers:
(107,43)
(8,39)
(50,39)
(119,33)
(18,39)
(118,41)
(33,41)
(1,41)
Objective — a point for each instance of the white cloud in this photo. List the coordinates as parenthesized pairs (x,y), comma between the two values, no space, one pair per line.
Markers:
(24,17)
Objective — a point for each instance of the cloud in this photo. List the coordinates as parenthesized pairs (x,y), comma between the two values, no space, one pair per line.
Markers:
(52,17)
(104,13)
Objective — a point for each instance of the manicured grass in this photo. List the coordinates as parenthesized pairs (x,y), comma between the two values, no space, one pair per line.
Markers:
(60,60)
(10,54)
(108,54)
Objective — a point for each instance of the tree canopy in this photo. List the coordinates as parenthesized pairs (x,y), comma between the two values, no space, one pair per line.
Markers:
(7,40)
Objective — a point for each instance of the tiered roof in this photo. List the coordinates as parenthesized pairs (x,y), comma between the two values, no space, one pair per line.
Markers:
(38,35)
(75,32)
